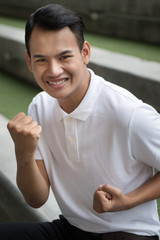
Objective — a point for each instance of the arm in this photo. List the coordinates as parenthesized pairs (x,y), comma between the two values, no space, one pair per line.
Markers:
(32,178)
(110,199)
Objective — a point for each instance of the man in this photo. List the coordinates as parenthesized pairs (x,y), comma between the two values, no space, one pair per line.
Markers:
(93,142)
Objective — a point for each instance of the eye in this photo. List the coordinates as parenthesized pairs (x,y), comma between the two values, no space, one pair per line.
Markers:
(65,57)
(41,60)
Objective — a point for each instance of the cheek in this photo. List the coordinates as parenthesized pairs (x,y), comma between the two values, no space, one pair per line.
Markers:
(37,72)
(38,78)
(75,67)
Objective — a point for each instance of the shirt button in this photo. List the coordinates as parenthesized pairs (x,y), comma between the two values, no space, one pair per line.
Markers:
(71,139)
(69,119)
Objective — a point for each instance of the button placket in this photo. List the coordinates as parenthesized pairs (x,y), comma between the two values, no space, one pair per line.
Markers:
(71,138)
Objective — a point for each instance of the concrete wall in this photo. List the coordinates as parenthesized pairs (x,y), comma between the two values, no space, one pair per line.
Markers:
(140,77)
(131,19)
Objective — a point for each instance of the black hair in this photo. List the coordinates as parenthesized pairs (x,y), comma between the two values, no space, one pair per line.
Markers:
(54,17)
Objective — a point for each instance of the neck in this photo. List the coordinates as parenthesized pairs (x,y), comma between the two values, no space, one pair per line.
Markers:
(69,107)
(69,104)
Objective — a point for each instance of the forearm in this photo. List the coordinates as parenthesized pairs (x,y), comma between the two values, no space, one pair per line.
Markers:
(147,192)
(32,179)
(111,199)
(31,183)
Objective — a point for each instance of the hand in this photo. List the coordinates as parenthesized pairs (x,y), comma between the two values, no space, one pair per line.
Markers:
(109,199)
(25,133)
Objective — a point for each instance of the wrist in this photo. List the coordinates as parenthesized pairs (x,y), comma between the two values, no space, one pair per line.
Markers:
(24,158)
(131,200)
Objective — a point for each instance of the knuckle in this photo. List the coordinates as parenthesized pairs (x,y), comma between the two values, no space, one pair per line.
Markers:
(18,128)
(21,114)
(119,191)
(32,133)
(25,132)
(9,125)
(105,187)
(13,127)
(39,130)
(28,119)
(35,124)
(97,194)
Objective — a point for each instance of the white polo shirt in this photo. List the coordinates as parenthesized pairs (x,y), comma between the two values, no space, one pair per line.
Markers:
(110,138)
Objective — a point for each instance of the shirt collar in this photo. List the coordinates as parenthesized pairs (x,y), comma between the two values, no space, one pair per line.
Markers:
(85,107)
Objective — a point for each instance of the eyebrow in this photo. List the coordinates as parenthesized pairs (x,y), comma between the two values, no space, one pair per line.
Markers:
(58,55)
(64,52)
(38,56)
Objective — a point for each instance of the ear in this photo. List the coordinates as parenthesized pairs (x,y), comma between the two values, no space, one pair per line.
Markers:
(28,61)
(86,52)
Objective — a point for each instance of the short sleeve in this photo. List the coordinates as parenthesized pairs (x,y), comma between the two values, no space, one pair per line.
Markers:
(144,135)
(32,112)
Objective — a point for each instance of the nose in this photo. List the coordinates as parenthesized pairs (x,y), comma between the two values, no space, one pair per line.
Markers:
(54,68)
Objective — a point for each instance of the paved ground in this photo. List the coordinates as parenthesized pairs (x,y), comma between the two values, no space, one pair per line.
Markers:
(8,182)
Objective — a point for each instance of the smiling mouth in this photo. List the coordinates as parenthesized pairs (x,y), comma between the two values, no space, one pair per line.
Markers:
(57,83)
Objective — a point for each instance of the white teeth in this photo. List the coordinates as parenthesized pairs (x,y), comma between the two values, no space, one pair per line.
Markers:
(58,82)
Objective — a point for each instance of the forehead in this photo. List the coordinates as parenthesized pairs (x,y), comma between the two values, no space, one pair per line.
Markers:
(48,39)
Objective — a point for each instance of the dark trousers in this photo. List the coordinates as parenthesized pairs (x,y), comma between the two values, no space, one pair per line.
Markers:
(57,230)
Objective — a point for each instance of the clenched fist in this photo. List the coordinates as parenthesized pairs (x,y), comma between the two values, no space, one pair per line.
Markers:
(109,199)
(25,133)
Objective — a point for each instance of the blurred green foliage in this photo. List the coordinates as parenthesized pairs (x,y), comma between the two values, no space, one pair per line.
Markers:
(15,95)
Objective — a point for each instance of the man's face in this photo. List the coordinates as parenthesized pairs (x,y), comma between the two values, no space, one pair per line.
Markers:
(58,65)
